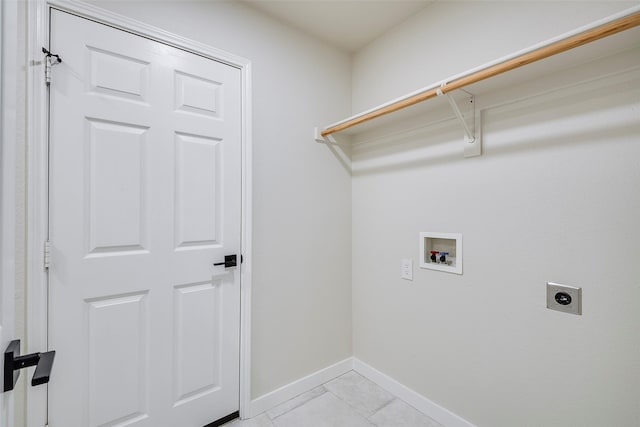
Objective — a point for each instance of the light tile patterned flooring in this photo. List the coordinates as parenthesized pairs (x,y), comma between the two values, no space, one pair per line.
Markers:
(347,401)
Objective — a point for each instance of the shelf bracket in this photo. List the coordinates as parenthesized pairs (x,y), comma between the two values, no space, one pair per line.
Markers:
(329,139)
(340,150)
(470,120)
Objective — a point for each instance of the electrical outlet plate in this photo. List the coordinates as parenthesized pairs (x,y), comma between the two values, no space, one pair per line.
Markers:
(406,269)
(574,294)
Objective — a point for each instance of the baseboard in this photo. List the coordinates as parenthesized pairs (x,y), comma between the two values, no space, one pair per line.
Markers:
(413,398)
(291,390)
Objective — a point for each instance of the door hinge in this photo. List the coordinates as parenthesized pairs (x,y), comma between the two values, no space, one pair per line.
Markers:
(49,62)
(47,254)
(47,71)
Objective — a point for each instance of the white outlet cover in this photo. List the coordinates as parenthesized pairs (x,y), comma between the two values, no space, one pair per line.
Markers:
(406,269)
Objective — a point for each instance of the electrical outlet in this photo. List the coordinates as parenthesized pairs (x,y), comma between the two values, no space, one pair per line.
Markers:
(406,269)
(567,299)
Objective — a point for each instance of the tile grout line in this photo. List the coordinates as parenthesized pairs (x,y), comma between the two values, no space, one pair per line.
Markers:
(297,406)
(384,405)
(353,408)
(366,417)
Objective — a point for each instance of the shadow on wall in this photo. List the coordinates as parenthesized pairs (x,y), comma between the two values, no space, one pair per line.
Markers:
(596,112)
(342,151)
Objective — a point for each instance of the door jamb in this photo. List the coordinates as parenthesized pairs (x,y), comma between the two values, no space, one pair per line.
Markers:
(37,164)
(8,136)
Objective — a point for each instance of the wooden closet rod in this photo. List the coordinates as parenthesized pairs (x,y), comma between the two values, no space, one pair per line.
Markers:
(563,45)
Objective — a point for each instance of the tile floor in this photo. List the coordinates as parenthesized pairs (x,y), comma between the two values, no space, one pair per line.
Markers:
(347,401)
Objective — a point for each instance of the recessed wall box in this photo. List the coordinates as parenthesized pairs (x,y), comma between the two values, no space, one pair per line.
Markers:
(441,251)
(564,298)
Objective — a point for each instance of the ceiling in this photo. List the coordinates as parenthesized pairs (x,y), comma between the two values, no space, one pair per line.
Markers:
(346,24)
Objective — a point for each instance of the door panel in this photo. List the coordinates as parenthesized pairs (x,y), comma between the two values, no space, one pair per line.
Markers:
(117,217)
(198,181)
(196,366)
(144,198)
(123,318)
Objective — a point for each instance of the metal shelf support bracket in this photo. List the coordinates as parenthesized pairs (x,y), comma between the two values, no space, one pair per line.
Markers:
(469,119)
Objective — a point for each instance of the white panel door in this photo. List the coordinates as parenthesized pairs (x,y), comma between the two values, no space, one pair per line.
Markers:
(144,198)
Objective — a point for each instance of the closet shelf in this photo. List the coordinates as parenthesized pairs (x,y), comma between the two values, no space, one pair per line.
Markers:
(596,40)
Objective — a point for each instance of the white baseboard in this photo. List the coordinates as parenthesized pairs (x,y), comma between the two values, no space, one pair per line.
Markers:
(291,390)
(311,381)
(413,398)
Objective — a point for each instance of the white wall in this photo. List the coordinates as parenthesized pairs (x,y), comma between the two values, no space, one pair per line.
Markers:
(301,194)
(449,37)
(554,197)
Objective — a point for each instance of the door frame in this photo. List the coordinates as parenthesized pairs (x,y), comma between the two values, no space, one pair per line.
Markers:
(8,144)
(38,13)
